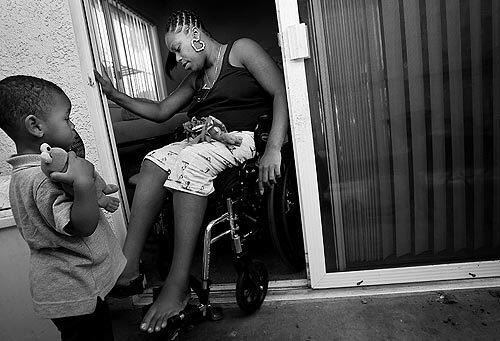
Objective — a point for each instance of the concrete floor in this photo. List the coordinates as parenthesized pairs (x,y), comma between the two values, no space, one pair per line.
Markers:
(451,315)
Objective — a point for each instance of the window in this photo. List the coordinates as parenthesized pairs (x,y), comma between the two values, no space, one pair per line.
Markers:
(128,49)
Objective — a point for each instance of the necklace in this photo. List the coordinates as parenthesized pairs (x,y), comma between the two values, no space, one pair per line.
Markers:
(216,69)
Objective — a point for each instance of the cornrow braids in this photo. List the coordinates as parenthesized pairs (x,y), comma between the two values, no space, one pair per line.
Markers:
(21,96)
(184,19)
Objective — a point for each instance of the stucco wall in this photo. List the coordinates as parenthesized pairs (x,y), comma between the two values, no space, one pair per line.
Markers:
(37,39)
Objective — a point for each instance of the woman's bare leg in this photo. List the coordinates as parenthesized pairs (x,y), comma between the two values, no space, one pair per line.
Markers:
(189,210)
(149,198)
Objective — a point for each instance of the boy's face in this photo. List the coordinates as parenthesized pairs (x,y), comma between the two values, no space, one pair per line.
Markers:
(59,131)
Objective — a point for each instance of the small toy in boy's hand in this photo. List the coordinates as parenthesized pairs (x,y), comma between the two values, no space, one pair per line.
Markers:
(54,159)
(208,128)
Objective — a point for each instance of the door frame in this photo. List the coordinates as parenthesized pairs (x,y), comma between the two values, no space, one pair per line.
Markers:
(300,122)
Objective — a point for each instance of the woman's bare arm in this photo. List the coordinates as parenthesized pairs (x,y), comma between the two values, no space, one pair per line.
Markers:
(151,110)
(253,57)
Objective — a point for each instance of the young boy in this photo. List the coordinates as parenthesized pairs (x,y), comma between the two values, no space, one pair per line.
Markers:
(75,259)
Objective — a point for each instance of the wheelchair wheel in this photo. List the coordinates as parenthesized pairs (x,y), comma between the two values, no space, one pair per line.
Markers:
(284,219)
(251,287)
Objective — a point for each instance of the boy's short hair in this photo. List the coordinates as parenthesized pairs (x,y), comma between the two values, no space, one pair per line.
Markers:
(21,96)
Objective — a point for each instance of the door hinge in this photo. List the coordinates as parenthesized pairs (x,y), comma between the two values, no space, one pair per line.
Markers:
(297,40)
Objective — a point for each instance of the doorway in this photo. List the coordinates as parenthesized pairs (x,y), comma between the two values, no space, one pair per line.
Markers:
(125,34)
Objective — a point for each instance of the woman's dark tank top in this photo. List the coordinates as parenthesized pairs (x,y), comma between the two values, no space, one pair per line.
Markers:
(236,98)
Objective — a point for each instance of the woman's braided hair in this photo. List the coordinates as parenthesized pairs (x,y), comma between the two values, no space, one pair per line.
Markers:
(176,22)
(183,19)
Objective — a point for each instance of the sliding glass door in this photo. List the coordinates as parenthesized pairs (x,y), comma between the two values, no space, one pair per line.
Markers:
(405,109)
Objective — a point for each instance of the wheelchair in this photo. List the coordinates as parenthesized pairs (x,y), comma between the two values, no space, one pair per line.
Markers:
(238,205)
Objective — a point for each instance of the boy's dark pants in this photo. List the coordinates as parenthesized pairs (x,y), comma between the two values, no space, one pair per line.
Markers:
(94,326)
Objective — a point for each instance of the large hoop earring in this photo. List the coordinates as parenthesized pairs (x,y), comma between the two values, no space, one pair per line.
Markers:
(201,47)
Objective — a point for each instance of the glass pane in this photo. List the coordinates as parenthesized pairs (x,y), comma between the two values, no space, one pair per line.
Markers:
(102,38)
(124,41)
(409,118)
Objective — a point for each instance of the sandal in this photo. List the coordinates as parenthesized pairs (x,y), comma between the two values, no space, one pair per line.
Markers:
(135,286)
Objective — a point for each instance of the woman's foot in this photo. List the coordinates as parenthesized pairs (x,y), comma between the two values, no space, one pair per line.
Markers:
(173,298)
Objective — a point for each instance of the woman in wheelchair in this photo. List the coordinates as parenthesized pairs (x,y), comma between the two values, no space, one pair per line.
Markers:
(234,82)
